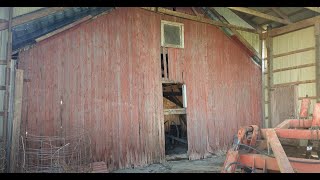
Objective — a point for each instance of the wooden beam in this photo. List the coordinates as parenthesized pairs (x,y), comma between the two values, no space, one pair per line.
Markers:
(292,67)
(7,84)
(16,120)
(310,97)
(263,107)
(250,22)
(281,14)
(31,16)
(167,81)
(293,27)
(293,52)
(292,83)
(269,46)
(315,9)
(199,19)
(265,12)
(317,57)
(63,28)
(259,14)
(284,125)
(174,111)
(289,15)
(280,155)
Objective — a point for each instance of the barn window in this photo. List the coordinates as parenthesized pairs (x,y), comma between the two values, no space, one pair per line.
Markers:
(172,34)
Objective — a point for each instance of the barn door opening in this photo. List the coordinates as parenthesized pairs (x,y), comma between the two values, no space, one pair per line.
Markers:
(175,119)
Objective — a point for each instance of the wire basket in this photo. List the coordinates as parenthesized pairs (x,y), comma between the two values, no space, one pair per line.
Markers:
(70,152)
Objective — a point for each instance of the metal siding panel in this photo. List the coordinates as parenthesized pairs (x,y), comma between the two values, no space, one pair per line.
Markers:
(296,40)
(109,79)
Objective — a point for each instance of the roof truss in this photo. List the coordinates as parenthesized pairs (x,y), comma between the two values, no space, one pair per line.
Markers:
(31,16)
(281,14)
(259,14)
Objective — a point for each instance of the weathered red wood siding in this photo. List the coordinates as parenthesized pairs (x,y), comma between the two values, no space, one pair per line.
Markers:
(223,86)
(107,74)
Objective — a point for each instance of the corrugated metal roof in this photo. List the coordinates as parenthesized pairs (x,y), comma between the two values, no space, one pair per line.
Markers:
(231,17)
(25,34)
(18,11)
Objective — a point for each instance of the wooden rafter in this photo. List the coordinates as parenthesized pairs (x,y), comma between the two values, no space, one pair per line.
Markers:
(293,27)
(259,14)
(199,19)
(265,12)
(250,22)
(315,9)
(281,14)
(31,16)
(289,15)
(195,11)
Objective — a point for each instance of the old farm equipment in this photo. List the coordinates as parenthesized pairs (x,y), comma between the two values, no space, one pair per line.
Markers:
(260,150)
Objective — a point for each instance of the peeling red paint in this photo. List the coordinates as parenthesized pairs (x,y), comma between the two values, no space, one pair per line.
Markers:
(107,74)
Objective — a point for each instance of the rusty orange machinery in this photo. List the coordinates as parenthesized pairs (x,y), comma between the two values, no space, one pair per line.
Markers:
(260,150)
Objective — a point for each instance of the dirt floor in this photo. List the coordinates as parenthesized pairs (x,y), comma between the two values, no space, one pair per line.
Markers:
(208,165)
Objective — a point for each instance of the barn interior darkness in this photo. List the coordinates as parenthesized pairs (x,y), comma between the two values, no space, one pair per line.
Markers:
(175,125)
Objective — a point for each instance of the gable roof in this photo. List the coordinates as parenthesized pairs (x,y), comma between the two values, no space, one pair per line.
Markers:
(25,34)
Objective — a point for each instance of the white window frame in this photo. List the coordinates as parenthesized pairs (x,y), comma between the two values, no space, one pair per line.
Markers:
(180,25)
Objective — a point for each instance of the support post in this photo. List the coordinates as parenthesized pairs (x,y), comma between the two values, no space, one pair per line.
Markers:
(270,74)
(317,56)
(262,82)
(18,90)
(7,82)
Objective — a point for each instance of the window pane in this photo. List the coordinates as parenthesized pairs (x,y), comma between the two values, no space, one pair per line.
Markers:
(172,34)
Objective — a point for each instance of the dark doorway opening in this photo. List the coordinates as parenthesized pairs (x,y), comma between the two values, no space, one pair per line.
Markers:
(175,119)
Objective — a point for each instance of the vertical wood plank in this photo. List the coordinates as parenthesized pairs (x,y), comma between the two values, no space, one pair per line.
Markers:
(269,42)
(16,119)
(317,56)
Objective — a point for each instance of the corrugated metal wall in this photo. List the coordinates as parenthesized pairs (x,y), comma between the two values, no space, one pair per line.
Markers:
(4,14)
(289,42)
(107,74)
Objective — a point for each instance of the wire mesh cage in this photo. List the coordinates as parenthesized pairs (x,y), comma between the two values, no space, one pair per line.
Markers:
(70,152)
